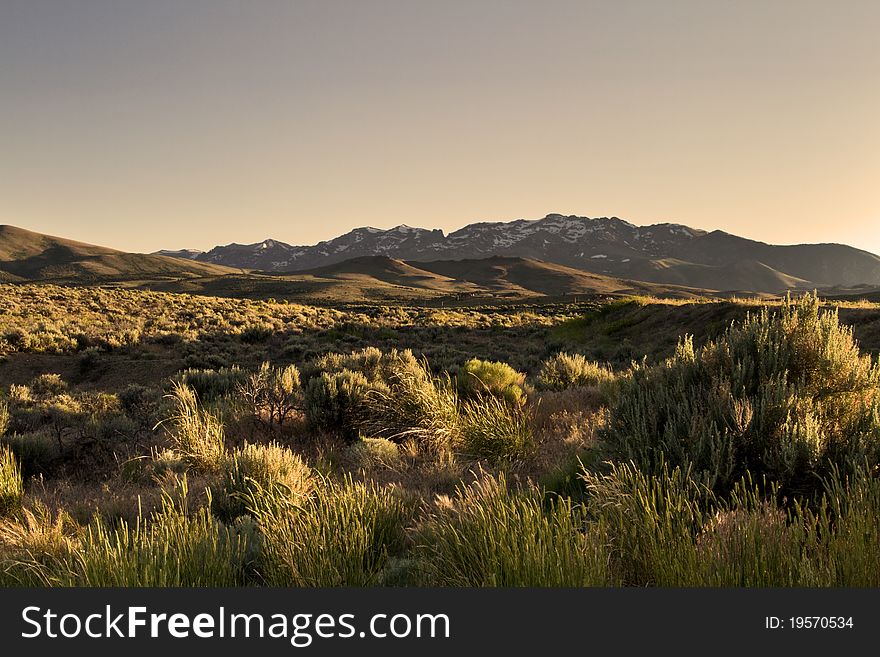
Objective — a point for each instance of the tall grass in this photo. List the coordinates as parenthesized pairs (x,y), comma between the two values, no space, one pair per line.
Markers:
(11,483)
(667,529)
(417,406)
(197,434)
(494,428)
(175,547)
(488,536)
(341,536)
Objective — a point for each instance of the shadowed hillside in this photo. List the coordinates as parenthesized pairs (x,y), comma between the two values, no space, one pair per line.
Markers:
(30,256)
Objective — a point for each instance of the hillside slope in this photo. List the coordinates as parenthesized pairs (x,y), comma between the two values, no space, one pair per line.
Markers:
(29,256)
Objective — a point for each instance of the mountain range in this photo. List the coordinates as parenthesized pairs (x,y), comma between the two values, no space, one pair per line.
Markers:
(556,256)
(667,253)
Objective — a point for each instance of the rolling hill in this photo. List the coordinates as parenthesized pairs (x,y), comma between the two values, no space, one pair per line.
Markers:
(29,256)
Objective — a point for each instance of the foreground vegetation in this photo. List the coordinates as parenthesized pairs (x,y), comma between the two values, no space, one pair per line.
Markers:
(274,444)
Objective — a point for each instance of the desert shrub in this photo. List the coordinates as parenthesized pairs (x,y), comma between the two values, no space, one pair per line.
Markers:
(378,367)
(478,378)
(273,393)
(34,451)
(374,452)
(256,333)
(11,484)
(141,404)
(488,536)
(333,401)
(492,428)
(572,370)
(211,385)
(196,433)
(260,467)
(783,394)
(341,536)
(48,385)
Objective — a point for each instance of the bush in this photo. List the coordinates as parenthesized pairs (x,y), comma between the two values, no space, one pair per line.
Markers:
(488,536)
(273,393)
(784,394)
(342,536)
(48,385)
(333,402)
(212,385)
(261,467)
(141,404)
(492,428)
(197,434)
(572,370)
(376,366)
(34,451)
(478,378)
(11,484)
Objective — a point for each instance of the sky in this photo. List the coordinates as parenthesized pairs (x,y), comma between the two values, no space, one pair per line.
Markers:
(191,123)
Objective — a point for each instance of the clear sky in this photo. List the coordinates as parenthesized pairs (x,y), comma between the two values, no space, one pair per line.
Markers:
(146,124)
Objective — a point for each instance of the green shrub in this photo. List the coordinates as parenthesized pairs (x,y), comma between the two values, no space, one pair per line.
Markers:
(571,370)
(211,385)
(488,536)
(261,467)
(341,536)
(334,401)
(478,378)
(380,368)
(784,394)
(273,393)
(256,333)
(35,451)
(11,484)
(48,385)
(197,434)
(495,429)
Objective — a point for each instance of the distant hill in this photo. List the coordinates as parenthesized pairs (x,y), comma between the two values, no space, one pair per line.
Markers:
(188,254)
(383,279)
(30,256)
(527,276)
(664,253)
